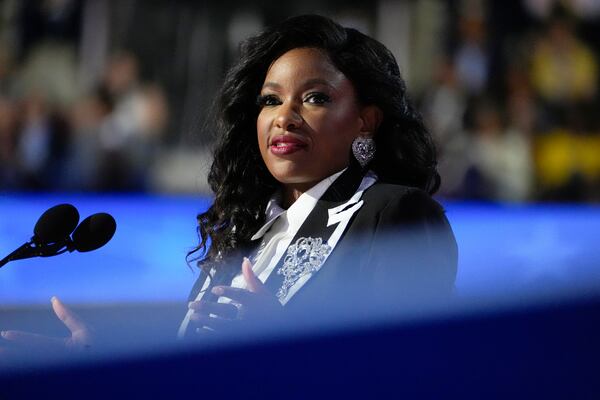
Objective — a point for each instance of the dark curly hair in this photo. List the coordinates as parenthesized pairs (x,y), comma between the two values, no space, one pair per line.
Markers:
(238,176)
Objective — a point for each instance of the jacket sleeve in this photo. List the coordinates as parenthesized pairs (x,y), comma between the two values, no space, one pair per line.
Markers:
(415,253)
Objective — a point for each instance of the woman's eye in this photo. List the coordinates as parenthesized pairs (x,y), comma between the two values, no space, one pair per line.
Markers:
(317,98)
(268,100)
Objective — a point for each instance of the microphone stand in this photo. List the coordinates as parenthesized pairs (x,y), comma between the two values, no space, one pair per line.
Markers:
(33,249)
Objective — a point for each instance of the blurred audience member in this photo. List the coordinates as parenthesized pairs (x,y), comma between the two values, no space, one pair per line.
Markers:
(471,57)
(47,37)
(568,167)
(500,156)
(6,78)
(563,69)
(522,108)
(581,8)
(87,118)
(567,162)
(9,174)
(42,144)
(443,109)
(444,104)
(129,134)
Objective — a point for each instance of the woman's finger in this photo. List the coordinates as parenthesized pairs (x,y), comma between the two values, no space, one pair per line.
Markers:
(254,284)
(214,323)
(240,295)
(220,309)
(32,339)
(68,317)
(204,333)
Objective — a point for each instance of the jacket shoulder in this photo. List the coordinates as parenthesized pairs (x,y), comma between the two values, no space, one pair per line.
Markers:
(403,203)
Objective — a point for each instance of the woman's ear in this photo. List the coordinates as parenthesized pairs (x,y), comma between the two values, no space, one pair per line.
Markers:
(371,117)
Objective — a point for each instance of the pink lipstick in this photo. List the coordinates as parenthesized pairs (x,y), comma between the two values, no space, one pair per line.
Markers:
(286,144)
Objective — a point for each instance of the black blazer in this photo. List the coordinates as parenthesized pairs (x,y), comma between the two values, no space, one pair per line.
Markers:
(397,246)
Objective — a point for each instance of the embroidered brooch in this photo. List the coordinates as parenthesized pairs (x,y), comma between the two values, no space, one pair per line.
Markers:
(303,257)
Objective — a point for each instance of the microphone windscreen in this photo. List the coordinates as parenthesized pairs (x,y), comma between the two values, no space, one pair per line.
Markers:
(94,232)
(56,224)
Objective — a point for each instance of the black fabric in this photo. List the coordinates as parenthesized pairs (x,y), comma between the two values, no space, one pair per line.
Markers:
(398,251)
(397,248)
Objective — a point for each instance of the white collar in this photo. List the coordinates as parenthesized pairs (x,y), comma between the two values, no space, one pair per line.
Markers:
(298,211)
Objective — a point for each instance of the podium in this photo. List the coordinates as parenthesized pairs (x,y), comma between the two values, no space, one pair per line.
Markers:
(549,351)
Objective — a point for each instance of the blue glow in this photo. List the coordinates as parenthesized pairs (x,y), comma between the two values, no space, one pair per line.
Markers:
(144,261)
(501,248)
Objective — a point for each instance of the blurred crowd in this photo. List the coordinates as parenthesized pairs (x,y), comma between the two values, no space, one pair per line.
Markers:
(58,133)
(515,114)
(526,128)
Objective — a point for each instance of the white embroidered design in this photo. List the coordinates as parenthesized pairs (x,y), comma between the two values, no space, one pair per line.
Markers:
(303,257)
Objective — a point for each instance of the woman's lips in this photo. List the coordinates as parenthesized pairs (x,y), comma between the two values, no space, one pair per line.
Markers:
(285,144)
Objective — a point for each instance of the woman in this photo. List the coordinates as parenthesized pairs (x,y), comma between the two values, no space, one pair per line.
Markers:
(320,154)
(320,158)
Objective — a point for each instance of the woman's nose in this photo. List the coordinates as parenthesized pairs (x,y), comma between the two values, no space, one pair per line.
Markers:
(288,118)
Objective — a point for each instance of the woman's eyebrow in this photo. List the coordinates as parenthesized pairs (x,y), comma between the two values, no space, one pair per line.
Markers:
(308,82)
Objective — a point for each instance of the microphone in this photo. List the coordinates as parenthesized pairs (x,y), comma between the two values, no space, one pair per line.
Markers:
(51,234)
(94,232)
(55,224)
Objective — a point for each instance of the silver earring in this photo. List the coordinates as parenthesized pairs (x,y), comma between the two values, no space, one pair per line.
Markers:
(363,149)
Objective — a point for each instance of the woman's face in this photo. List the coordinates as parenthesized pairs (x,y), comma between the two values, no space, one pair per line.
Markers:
(309,117)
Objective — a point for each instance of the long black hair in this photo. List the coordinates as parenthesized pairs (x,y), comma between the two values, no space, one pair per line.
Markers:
(239,178)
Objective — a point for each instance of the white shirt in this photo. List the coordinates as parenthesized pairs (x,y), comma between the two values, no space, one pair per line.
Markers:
(277,233)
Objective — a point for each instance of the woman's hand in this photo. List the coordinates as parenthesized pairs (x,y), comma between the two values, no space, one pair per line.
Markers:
(81,337)
(248,306)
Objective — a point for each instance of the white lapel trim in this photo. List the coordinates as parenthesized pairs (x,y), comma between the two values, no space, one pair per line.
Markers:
(274,210)
(263,229)
(342,219)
